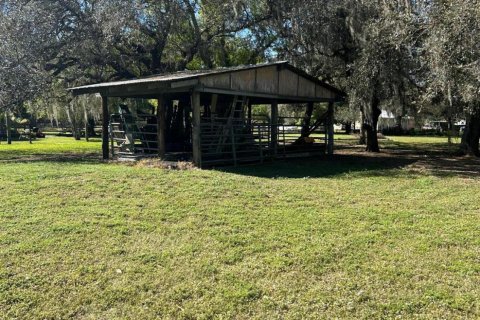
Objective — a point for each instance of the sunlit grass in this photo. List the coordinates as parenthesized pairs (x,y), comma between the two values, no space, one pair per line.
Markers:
(49,145)
(299,239)
(423,140)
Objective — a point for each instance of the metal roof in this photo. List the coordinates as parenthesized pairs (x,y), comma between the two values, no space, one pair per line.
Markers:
(176,76)
(194,74)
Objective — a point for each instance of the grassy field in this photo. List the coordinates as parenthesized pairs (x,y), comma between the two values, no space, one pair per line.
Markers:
(354,236)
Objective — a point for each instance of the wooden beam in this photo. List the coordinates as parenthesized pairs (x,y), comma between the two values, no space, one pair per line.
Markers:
(183,84)
(196,131)
(274,127)
(105,123)
(266,96)
(330,129)
(161,126)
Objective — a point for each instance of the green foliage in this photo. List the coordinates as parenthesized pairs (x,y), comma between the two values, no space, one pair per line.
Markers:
(407,57)
(261,110)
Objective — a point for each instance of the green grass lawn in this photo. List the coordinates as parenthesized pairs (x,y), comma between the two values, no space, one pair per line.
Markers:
(423,140)
(319,238)
(51,146)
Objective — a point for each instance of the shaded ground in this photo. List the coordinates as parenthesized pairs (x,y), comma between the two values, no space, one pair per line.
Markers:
(430,154)
(437,158)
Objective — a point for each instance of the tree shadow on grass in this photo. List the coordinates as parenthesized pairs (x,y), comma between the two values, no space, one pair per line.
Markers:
(65,157)
(327,166)
(438,159)
(441,166)
(396,159)
(421,149)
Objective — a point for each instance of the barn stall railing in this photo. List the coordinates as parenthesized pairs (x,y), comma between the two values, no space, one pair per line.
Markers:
(225,141)
(133,135)
(293,140)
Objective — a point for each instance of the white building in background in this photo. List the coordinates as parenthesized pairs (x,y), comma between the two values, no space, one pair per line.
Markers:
(388,120)
(442,125)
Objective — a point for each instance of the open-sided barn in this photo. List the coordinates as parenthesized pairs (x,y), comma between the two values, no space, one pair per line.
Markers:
(207,115)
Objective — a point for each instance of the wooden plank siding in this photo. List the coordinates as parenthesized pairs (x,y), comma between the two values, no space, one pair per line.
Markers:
(217,81)
(243,81)
(288,83)
(322,92)
(267,80)
(271,81)
(306,88)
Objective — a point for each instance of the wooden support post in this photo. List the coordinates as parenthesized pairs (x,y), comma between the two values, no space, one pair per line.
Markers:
(161,126)
(112,143)
(105,123)
(196,130)
(330,128)
(8,128)
(274,126)
(260,143)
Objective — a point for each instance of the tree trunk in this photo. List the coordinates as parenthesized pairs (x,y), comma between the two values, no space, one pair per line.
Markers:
(363,134)
(30,133)
(307,120)
(370,127)
(450,129)
(398,125)
(85,113)
(471,135)
(73,121)
(91,126)
(8,128)
(348,127)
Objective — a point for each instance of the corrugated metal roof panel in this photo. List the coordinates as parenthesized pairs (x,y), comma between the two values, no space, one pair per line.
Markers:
(176,76)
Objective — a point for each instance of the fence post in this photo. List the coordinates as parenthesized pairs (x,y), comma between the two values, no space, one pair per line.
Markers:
(274,124)
(260,143)
(234,148)
(112,143)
